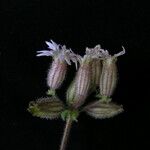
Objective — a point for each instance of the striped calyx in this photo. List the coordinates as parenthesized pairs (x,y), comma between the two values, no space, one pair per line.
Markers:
(96,68)
(78,90)
(82,82)
(56,74)
(104,110)
(108,77)
(48,108)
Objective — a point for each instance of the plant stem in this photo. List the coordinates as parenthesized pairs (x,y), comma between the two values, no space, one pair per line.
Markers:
(66,134)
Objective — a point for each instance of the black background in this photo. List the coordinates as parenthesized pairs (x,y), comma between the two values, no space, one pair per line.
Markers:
(25,27)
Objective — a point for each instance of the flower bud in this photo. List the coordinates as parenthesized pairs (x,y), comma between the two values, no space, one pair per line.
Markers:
(56,74)
(48,108)
(104,110)
(108,77)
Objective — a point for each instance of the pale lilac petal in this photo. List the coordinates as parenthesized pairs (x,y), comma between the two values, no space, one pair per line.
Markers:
(87,51)
(68,60)
(104,53)
(44,53)
(60,52)
(98,47)
(76,58)
(60,57)
(76,63)
(54,44)
(50,45)
(120,53)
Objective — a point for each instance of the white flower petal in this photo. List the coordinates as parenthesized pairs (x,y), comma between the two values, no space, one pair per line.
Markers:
(98,47)
(55,44)
(76,63)
(76,58)
(68,60)
(50,45)
(88,51)
(44,53)
(120,53)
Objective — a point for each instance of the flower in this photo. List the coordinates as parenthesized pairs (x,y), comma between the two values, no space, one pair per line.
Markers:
(95,54)
(57,72)
(60,52)
(105,54)
(108,79)
(90,54)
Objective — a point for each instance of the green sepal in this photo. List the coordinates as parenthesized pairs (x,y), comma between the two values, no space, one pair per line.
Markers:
(98,95)
(51,92)
(73,114)
(105,99)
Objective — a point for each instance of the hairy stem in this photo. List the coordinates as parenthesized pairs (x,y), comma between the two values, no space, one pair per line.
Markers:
(66,134)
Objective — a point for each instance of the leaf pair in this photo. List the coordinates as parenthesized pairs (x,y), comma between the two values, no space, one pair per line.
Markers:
(101,110)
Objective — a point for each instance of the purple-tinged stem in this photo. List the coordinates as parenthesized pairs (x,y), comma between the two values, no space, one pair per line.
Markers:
(66,134)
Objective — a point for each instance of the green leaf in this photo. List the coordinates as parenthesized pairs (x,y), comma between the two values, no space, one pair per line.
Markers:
(103,110)
(48,108)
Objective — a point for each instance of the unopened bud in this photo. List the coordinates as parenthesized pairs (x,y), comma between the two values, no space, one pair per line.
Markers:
(48,108)
(104,110)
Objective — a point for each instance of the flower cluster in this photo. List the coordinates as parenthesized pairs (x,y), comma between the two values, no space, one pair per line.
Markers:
(97,71)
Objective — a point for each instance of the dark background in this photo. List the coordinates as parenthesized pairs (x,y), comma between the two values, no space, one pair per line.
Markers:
(25,27)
